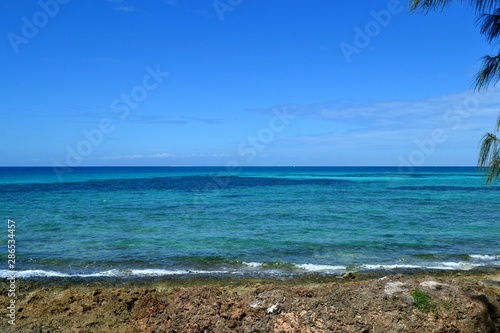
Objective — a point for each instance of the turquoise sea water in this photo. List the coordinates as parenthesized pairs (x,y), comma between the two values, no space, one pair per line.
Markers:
(251,221)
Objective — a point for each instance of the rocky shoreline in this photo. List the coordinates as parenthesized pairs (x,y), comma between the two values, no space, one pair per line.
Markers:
(378,302)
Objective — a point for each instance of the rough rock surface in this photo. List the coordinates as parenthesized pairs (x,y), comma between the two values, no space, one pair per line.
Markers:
(387,304)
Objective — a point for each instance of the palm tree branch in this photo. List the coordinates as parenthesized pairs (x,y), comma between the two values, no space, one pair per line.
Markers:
(489,156)
(490,25)
(489,144)
(490,71)
(493,170)
(429,5)
(489,22)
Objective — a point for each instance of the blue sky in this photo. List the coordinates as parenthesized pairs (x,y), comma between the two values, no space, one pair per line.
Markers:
(194,82)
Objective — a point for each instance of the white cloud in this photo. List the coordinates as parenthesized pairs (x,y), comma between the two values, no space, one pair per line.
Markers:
(137,156)
(128,9)
(384,131)
(398,114)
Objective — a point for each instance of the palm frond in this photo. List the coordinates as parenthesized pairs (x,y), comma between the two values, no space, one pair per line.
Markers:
(490,25)
(493,171)
(484,5)
(489,73)
(488,142)
(428,5)
(489,21)
(489,156)
(481,6)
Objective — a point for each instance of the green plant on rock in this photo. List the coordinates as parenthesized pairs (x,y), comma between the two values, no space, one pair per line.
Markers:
(422,301)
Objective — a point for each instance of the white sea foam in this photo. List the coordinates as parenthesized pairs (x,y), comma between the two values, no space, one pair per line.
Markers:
(320,268)
(456,265)
(165,272)
(31,273)
(109,273)
(156,272)
(41,273)
(478,261)
(252,264)
(484,257)
(370,267)
(436,265)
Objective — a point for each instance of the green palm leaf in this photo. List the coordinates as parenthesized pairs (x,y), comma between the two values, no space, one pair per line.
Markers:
(490,73)
(429,5)
(489,22)
(489,155)
(490,25)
